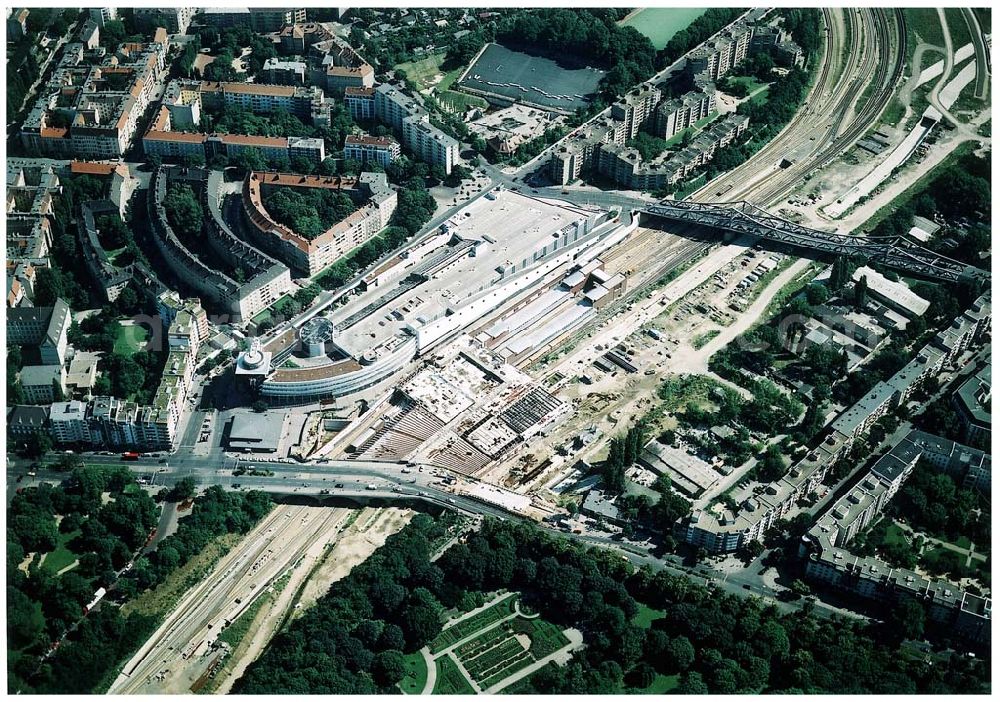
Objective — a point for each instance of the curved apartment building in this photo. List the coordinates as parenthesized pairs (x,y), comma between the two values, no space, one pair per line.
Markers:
(270,279)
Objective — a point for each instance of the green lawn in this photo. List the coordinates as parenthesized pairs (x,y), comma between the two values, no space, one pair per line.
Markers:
(697,127)
(895,535)
(416,674)
(691,186)
(750,82)
(894,112)
(422,71)
(129,340)
(490,652)
(450,680)
(761,96)
(925,23)
(62,556)
(660,685)
(645,617)
(957,27)
(660,24)
(963,542)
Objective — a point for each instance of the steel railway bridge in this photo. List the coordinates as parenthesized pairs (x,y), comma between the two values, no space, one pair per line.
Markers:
(745,218)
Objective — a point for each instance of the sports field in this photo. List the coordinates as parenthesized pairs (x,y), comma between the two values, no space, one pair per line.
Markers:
(130,339)
(660,24)
(532,79)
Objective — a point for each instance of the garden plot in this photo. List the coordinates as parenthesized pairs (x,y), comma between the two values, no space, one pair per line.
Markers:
(493,646)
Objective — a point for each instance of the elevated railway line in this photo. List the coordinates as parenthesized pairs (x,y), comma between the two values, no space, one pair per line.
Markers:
(744,218)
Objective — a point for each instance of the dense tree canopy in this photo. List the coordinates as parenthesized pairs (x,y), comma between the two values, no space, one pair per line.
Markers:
(717,643)
(183,210)
(592,36)
(308,211)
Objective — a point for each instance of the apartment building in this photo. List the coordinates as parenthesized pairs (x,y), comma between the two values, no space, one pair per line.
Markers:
(266,279)
(281,72)
(579,153)
(171,144)
(411,120)
(971,467)
(92,111)
(68,422)
(114,423)
(24,421)
(183,101)
(677,114)
(725,531)
(343,66)
(717,56)
(169,305)
(363,148)
(778,42)
(360,103)
(43,327)
(430,144)
(258,19)
(636,108)
(378,202)
(625,166)
(299,37)
(40,383)
(176,20)
(103,15)
(829,562)
(973,402)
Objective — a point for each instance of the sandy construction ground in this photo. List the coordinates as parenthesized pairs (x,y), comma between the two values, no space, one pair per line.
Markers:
(323,564)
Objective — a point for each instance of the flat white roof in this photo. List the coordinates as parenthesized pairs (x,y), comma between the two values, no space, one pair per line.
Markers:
(517,227)
(893,292)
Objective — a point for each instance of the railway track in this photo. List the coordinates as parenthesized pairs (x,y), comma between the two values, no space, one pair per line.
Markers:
(740,182)
(220,599)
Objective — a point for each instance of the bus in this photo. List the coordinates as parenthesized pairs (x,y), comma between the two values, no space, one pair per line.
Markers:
(130,456)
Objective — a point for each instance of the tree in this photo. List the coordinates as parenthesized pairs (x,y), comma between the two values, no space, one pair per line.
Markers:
(907,619)
(692,684)
(388,668)
(184,489)
(817,293)
(751,550)
(861,292)
(251,159)
(772,465)
(641,676)
(259,406)
(800,587)
(839,274)
(24,621)
(34,529)
(679,654)
(183,209)
(38,444)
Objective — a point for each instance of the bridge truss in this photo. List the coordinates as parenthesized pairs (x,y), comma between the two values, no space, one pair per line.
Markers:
(892,252)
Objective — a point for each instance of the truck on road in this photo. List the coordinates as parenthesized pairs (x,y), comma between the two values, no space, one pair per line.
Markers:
(371,486)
